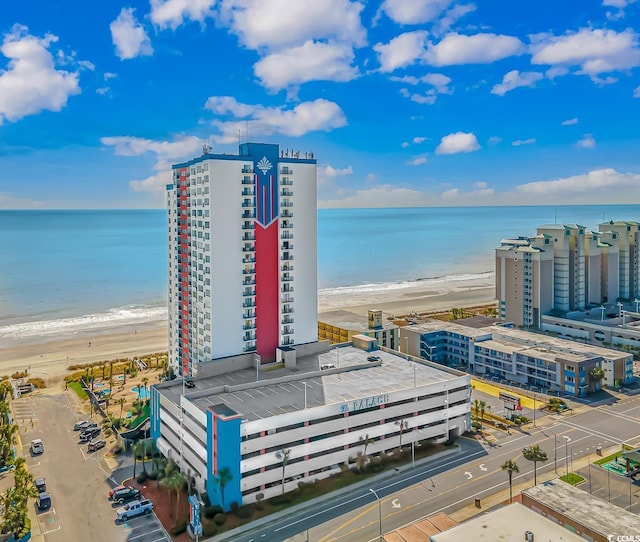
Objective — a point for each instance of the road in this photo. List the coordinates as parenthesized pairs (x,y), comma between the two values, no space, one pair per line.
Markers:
(475,473)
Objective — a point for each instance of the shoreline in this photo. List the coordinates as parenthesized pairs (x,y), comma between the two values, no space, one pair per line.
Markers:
(48,356)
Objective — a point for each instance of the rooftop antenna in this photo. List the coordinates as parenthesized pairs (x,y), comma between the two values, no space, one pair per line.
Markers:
(555,216)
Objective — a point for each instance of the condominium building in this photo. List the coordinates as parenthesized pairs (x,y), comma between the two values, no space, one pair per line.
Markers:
(564,269)
(242,255)
(322,409)
(518,357)
(340,327)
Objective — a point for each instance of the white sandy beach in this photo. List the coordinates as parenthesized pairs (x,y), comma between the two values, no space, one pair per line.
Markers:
(48,357)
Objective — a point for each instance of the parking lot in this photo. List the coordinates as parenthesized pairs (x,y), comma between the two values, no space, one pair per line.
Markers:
(78,481)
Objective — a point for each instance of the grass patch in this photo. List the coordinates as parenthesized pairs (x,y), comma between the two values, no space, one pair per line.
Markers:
(144,414)
(611,457)
(79,390)
(572,478)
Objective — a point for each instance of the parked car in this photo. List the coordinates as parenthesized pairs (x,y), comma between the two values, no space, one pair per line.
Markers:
(88,434)
(41,485)
(37,446)
(84,425)
(113,490)
(327,366)
(126,494)
(95,445)
(374,358)
(44,501)
(134,508)
(189,383)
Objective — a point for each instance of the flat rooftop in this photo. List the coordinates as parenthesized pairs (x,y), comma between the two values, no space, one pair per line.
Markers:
(282,390)
(508,523)
(593,513)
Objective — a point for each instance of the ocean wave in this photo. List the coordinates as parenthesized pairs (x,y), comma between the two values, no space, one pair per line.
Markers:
(435,282)
(120,316)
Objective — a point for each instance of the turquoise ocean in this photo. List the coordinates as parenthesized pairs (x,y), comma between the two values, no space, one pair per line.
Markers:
(63,271)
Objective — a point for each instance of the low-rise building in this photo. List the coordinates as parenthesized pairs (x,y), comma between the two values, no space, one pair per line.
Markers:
(519,357)
(340,326)
(261,428)
(581,513)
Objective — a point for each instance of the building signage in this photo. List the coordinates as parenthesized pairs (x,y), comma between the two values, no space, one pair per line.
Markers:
(508,398)
(361,404)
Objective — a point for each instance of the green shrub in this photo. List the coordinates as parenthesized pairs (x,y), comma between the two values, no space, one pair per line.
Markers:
(245,512)
(179,528)
(211,511)
(234,507)
(142,477)
(209,529)
(153,475)
(219,519)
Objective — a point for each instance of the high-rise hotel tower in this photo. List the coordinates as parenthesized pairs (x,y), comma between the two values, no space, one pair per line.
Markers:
(242,255)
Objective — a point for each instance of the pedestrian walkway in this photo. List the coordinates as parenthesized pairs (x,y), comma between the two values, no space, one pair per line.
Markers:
(494,390)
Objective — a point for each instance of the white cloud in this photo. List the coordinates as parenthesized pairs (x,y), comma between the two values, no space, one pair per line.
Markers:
(515,79)
(451,17)
(405,144)
(282,23)
(428,98)
(458,142)
(172,13)
(180,147)
(109,75)
(570,122)
(318,115)
(417,161)
(129,36)
(312,61)
(595,51)
(102,90)
(330,171)
(616,3)
(415,11)
(155,183)
(456,48)
(11,202)
(419,139)
(595,187)
(437,81)
(636,92)
(587,142)
(401,51)
(31,83)
(494,140)
(520,142)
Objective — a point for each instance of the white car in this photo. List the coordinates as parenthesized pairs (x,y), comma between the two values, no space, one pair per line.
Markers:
(37,446)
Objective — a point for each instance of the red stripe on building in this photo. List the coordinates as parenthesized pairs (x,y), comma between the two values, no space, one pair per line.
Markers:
(267,291)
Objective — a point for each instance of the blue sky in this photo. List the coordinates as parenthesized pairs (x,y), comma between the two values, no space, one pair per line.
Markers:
(403,102)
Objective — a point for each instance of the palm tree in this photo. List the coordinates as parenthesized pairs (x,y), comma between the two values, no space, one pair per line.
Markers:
(595,377)
(535,454)
(366,441)
(7,439)
(175,482)
(5,390)
(224,476)
(159,464)
(139,449)
(283,456)
(121,402)
(403,424)
(510,467)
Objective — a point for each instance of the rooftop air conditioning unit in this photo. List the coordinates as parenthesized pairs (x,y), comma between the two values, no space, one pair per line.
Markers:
(528,536)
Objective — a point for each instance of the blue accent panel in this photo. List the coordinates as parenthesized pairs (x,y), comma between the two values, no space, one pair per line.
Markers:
(226,447)
(155,413)
(265,166)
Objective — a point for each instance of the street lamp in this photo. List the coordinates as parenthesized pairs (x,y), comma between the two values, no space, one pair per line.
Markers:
(555,454)
(602,309)
(413,452)
(566,452)
(379,512)
(619,309)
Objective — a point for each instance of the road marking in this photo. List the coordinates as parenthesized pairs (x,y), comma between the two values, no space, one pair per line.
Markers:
(395,503)
(482,467)
(592,431)
(468,475)
(144,534)
(52,530)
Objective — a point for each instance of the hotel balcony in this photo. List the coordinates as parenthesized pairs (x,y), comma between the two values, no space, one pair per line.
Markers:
(286,278)
(286,171)
(247,259)
(249,292)
(287,320)
(248,226)
(249,337)
(286,246)
(247,169)
(249,326)
(248,192)
(247,180)
(287,267)
(285,181)
(288,341)
(287,310)
(287,298)
(248,237)
(286,235)
(251,271)
(248,281)
(249,303)
(287,330)
(248,214)
(286,214)
(248,203)
(287,257)
(285,225)
(286,288)
(286,203)
(251,347)
(248,248)
(286,192)
(249,314)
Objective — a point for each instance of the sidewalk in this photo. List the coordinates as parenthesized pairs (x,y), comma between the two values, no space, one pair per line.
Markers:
(324,500)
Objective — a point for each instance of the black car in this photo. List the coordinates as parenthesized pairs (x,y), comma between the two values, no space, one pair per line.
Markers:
(88,434)
(125,494)
(41,485)
(374,358)
(189,383)
(44,501)
(95,445)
